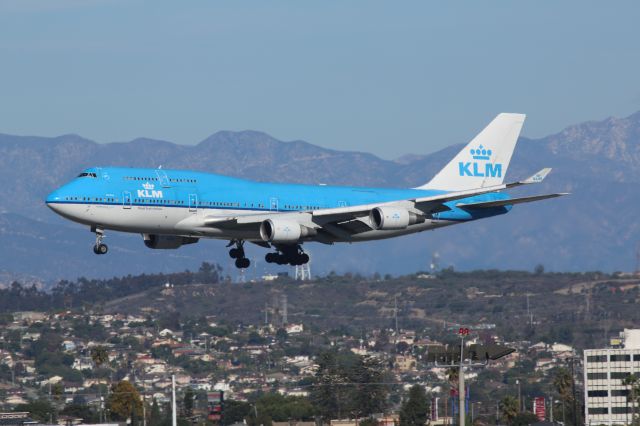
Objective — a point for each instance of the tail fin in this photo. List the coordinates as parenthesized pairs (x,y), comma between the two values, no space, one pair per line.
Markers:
(484,161)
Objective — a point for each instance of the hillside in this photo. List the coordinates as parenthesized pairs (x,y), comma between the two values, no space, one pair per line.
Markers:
(575,308)
(593,229)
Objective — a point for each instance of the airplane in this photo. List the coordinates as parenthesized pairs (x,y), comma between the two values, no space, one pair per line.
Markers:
(172,208)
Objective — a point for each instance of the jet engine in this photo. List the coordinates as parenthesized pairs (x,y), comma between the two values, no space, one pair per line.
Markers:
(154,241)
(283,231)
(389,218)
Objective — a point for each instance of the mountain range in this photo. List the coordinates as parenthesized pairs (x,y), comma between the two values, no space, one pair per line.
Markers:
(595,228)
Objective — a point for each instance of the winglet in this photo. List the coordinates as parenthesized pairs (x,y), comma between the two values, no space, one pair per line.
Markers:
(536,178)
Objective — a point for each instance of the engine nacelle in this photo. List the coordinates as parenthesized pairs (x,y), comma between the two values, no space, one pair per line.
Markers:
(388,218)
(167,242)
(283,231)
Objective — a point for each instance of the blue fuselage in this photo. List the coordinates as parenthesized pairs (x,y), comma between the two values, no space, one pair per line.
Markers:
(113,193)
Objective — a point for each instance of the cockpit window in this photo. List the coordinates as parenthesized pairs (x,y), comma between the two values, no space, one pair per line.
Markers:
(85,174)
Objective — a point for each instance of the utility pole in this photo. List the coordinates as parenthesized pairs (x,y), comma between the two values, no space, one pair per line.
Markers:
(395,313)
(461,390)
(174,415)
(144,410)
(519,396)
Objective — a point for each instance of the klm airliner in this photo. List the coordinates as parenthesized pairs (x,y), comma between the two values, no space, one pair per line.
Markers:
(171,208)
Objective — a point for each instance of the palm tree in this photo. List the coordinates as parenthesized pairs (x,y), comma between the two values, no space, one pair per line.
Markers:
(453,374)
(99,355)
(563,383)
(509,408)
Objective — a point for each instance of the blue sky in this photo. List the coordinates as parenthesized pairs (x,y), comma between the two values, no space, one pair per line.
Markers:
(384,77)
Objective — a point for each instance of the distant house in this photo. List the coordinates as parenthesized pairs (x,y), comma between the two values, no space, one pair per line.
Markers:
(29,316)
(69,345)
(538,347)
(166,333)
(13,400)
(545,364)
(83,363)
(16,418)
(294,328)
(405,363)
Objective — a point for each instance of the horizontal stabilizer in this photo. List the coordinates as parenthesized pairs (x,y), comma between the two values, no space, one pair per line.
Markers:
(509,202)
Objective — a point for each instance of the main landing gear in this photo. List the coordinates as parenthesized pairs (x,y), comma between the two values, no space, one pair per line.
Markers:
(99,247)
(237,253)
(292,255)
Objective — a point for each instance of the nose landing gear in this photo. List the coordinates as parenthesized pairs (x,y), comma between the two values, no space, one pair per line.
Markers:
(292,255)
(237,253)
(99,247)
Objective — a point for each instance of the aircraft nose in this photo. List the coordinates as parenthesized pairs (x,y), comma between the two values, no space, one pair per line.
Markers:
(54,200)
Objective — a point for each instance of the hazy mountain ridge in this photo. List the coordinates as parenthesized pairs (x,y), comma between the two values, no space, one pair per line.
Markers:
(599,162)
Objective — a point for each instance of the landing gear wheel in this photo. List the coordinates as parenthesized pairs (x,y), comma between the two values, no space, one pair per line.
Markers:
(237,253)
(243,263)
(292,255)
(101,249)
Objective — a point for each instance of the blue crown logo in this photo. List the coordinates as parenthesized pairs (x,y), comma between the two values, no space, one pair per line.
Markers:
(481,153)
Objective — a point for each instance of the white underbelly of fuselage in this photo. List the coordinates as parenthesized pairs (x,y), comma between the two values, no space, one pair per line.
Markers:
(177,221)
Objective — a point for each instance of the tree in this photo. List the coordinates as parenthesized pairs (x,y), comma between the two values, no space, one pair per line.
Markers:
(280,408)
(414,410)
(154,417)
(453,375)
(563,383)
(40,410)
(281,335)
(82,411)
(188,402)
(524,419)
(509,409)
(99,355)
(348,384)
(124,400)
(235,411)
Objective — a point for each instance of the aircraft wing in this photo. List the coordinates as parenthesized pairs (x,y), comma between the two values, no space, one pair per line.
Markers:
(425,205)
(343,221)
(509,202)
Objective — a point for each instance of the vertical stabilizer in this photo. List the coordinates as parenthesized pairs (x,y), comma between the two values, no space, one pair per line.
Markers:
(484,161)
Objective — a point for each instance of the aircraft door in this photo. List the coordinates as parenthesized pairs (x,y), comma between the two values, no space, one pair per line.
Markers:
(273,204)
(193,202)
(126,200)
(163,178)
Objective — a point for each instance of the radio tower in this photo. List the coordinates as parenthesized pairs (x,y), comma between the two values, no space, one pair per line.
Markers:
(637,271)
(303,272)
(434,266)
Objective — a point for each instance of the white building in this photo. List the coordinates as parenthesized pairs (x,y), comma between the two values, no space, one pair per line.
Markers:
(605,395)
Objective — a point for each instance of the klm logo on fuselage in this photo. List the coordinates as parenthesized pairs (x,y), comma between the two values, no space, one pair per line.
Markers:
(149,191)
(481,167)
